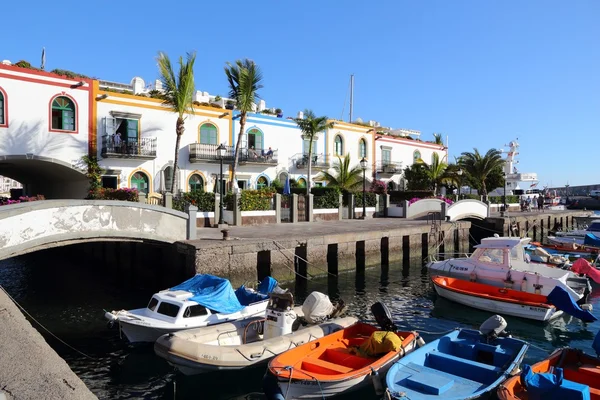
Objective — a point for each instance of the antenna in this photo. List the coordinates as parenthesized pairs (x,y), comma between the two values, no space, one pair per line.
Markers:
(351,95)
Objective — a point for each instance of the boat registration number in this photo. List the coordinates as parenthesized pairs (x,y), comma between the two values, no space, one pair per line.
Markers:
(537,309)
(459,268)
(208,357)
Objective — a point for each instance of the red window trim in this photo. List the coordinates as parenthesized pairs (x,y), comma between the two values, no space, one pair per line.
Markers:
(75,118)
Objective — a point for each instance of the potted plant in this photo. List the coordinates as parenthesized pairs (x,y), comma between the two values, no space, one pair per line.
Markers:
(279,112)
(230,105)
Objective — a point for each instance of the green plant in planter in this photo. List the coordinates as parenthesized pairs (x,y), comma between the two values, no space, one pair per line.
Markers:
(279,112)
(94,174)
(218,98)
(229,105)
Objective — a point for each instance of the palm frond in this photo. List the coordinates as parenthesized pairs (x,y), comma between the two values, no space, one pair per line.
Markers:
(244,78)
(178,89)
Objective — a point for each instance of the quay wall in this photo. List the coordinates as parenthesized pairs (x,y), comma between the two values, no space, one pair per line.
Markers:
(29,368)
(286,257)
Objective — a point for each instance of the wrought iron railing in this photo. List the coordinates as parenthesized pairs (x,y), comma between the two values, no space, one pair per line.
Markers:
(389,167)
(208,152)
(114,146)
(317,161)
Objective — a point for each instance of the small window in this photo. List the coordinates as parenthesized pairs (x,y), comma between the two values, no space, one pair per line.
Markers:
(63,114)
(109,182)
(194,311)
(196,183)
(255,139)
(306,143)
(262,182)
(3,121)
(494,256)
(153,303)
(208,134)
(386,156)
(362,149)
(416,156)
(338,146)
(168,309)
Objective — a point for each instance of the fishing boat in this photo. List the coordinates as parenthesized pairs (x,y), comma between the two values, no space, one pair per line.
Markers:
(576,236)
(345,361)
(566,374)
(202,300)
(464,364)
(495,299)
(252,342)
(501,261)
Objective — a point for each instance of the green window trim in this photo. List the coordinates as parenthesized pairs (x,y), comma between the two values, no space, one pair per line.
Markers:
(63,114)
(416,155)
(141,182)
(258,139)
(262,182)
(208,134)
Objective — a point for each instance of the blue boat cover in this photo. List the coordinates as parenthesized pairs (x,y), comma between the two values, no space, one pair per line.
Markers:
(267,285)
(552,386)
(247,297)
(596,344)
(212,292)
(561,299)
(591,240)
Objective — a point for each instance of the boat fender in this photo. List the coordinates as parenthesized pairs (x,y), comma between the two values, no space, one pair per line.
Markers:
(538,288)
(420,341)
(377,384)
(524,284)
(587,307)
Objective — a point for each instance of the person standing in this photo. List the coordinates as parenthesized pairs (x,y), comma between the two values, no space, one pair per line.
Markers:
(540,203)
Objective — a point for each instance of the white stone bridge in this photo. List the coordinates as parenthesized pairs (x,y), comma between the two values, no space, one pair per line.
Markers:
(37,225)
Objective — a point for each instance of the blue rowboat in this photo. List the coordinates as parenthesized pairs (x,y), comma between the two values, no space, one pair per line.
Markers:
(464,364)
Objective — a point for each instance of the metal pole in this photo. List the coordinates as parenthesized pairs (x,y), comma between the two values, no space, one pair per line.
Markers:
(221,193)
(504,197)
(351,95)
(364,213)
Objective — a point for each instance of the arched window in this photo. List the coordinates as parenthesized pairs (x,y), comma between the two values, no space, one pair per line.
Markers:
(416,155)
(262,182)
(168,175)
(362,149)
(141,182)
(391,185)
(282,176)
(338,146)
(255,139)
(3,109)
(208,134)
(196,183)
(301,182)
(63,114)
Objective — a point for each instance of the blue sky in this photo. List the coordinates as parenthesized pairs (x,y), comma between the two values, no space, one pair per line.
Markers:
(480,72)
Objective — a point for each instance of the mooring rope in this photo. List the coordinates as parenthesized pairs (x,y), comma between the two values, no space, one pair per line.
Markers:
(43,327)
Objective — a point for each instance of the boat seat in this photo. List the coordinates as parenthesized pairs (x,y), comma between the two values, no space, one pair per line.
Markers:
(422,379)
(341,357)
(465,368)
(590,370)
(323,367)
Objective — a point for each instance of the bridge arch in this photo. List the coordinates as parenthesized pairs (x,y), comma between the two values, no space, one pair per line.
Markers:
(53,178)
(37,225)
(468,208)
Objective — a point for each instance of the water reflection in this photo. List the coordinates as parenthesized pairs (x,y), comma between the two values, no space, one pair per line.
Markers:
(68,297)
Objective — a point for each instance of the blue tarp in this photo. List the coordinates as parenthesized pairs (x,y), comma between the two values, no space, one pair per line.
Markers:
(552,386)
(216,293)
(267,285)
(591,240)
(596,344)
(561,299)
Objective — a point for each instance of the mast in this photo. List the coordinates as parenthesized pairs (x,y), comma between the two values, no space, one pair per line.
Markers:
(351,95)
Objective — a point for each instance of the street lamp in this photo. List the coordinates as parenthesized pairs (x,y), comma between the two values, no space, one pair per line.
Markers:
(221,153)
(459,172)
(363,165)
(504,196)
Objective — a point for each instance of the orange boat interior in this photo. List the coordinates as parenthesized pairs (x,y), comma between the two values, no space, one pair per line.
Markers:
(333,355)
(577,367)
(483,290)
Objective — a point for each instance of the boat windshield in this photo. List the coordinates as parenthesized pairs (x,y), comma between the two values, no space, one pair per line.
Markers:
(493,256)
(168,309)
(153,303)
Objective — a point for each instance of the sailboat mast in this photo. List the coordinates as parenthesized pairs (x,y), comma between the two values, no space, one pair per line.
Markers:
(351,95)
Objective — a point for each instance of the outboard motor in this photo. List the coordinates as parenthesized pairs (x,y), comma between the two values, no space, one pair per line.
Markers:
(280,315)
(383,316)
(494,327)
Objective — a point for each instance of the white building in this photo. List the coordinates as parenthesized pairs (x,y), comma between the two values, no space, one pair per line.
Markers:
(48,122)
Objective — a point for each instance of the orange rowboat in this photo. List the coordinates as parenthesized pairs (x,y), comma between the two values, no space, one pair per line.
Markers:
(495,299)
(329,366)
(577,367)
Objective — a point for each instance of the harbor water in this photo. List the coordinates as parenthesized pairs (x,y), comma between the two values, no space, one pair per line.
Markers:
(67,296)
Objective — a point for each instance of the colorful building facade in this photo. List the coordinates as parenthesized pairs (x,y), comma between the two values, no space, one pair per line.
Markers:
(48,122)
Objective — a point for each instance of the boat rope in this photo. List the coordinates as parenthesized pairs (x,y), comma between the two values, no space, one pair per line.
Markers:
(43,327)
(539,348)
(435,333)
(280,247)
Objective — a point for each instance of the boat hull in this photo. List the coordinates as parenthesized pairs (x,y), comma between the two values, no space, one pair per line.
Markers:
(497,306)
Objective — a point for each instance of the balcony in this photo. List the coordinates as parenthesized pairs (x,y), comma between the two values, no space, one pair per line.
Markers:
(389,168)
(140,148)
(319,161)
(208,153)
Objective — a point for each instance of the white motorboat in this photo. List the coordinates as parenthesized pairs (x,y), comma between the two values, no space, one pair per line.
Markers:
(501,261)
(203,300)
(245,344)
(577,236)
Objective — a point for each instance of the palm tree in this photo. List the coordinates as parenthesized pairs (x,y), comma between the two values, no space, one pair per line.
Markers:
(311,126)
(437,138)
(344,177)
(479,167)
(244,78)
(178,96)
(435,171)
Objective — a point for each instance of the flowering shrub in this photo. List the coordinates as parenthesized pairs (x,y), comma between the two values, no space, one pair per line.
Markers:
(123,194)
(23,199)
(445,199)
(205,201)
(378,187)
